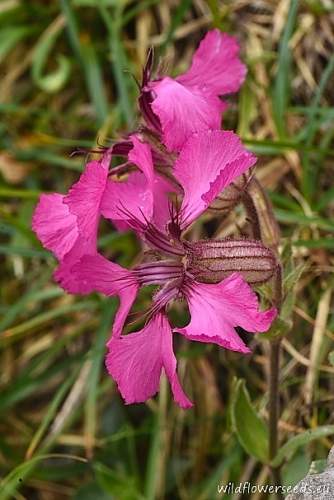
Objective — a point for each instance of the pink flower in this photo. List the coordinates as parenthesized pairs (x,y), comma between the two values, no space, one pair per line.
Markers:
(159,194)
(190,103)
(208,162)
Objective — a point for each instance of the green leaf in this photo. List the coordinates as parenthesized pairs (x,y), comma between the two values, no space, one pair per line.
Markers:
(296,468)
(289,448)
(251,430)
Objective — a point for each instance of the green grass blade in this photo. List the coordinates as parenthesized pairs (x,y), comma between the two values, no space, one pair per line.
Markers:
(34,296)
(311,167)
(50,413)
(19,193)
(118,60)
(23,252)
(11,482)
(303,220)
(176,20)
(95,82)
(15,333)
(87,57)
(281,91)
(96,357)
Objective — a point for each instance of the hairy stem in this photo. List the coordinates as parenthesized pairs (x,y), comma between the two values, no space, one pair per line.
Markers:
(274,409)
(274,367)
(261,216)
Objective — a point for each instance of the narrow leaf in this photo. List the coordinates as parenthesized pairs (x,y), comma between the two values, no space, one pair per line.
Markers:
(249,427)
(289,448)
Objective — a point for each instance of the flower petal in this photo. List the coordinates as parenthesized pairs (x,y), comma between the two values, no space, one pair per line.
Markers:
(162,188)
(96,273)
(68,224)
(183,111)
(54,225)
(216,67)
(133,197)
(142,196)
(208,162)
(141,156)
(84,196)
(216,309)
(127,296)
(136,360)
(63,274)
(137,199)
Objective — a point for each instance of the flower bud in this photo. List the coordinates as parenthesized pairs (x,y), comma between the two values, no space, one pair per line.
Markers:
(210,261)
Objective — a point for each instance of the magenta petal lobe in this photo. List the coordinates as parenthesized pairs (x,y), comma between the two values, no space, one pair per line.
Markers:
(96,273)
(135,361)
(217,309)
(209,162)
(183,111)
(84,197)
(54,225)
(216,67)
(141,156)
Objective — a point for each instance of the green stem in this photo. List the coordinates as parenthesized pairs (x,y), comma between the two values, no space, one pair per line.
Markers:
(274,367)
(265,227)
(274,409)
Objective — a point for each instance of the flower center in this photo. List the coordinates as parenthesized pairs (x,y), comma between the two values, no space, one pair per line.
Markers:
(159,272)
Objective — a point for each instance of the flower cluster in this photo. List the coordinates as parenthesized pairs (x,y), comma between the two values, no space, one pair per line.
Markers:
(175,165)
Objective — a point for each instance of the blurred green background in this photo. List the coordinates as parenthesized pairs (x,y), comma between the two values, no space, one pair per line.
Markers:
(67,71)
